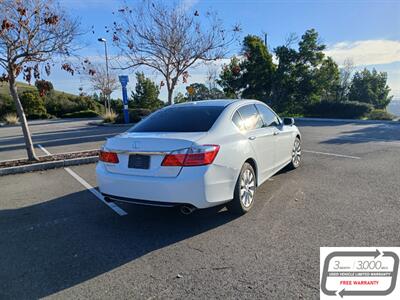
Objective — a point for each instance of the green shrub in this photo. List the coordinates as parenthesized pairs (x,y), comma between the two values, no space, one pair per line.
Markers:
(135,115)
(81,114)
(290,115)
(380,114)
(6,105)
(86,102)
(345,110)
(61,104)
(51,104)
(33,105)
(117,105)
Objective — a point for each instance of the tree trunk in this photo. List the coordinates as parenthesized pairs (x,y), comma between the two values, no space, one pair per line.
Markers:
(170,94)
(21,115)
(105,103)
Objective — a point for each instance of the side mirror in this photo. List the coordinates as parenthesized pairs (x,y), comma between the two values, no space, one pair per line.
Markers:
(288,121)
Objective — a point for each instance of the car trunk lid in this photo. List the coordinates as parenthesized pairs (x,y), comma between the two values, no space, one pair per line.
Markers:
(141,154)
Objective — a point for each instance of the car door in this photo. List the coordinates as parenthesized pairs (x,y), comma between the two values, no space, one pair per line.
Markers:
(282,135)
(261,138)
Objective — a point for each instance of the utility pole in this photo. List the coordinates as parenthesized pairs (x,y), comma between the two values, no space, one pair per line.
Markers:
(108,106)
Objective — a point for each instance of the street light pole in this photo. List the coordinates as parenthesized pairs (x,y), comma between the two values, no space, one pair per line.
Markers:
(103,40)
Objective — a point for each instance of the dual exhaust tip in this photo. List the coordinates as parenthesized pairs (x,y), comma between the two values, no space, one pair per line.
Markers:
(184,209)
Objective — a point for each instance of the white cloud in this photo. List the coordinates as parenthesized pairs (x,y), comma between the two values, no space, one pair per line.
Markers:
(368,52)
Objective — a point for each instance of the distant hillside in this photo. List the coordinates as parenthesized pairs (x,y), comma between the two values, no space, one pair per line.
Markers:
(21,86)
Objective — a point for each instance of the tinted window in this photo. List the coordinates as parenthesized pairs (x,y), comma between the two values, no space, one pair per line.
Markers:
(250,116)
(238,121)
(268,116)
(180,119)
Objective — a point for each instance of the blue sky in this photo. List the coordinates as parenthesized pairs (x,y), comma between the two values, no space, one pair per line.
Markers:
(368,32)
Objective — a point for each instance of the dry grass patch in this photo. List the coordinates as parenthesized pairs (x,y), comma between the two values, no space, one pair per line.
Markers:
(109,117)
(11,119)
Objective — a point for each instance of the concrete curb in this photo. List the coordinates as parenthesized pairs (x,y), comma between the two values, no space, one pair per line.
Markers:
(110,124)
(50,121)
(49,165)
(348,121)
(9,125)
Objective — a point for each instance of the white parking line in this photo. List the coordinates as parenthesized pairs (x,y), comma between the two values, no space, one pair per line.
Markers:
(95,192)
(332,154)
(91,189)
(44,149)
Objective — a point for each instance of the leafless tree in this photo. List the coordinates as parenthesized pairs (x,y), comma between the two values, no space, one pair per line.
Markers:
(33,33)
(212,76)
(170,39)
(291,39)
(100,82)
(346,72)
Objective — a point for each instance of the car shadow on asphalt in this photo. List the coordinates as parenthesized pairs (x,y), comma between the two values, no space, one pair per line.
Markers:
(361,133)
(55,245)
(372,133)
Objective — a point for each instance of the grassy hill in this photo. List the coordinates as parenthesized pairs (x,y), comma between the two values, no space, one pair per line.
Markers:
(21,86)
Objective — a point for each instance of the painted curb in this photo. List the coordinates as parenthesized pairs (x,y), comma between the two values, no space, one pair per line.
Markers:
(348,121)
(49,165)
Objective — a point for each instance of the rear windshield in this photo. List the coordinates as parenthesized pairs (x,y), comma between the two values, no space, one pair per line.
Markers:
(180,119)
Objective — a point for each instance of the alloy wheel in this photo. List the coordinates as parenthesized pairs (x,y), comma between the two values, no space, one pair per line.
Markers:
(296,153)
(247,188)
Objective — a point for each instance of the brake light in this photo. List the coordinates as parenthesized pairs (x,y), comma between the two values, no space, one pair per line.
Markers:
(108,157)
(194,156)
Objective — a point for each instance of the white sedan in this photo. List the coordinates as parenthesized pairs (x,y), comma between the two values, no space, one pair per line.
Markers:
(199,154)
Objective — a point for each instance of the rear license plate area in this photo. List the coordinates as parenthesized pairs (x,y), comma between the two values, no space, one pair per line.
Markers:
(139,161)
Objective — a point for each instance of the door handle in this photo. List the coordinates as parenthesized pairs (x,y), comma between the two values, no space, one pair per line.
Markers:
(252,138)
(276,132)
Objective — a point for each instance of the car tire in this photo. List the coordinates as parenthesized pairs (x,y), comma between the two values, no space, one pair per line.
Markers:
(245,188)
(296,154)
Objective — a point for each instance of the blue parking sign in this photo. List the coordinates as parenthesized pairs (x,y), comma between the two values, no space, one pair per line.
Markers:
(124,79)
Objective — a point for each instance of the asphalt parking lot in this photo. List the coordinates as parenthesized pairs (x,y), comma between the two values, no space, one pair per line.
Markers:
(59,240)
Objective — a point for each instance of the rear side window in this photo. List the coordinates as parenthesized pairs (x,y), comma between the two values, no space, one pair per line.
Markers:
(267,115)
(238,121)
(180,119)
(251,117)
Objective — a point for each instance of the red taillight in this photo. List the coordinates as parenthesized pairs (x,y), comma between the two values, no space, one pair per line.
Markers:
(173,160)
(108,157)
(195,156)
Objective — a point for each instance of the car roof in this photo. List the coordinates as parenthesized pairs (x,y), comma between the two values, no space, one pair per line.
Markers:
(214,102)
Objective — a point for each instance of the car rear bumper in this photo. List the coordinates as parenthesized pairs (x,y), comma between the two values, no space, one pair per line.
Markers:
(202,187)
(141,202)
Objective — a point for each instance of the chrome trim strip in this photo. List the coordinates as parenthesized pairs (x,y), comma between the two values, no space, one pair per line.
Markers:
(137,152)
